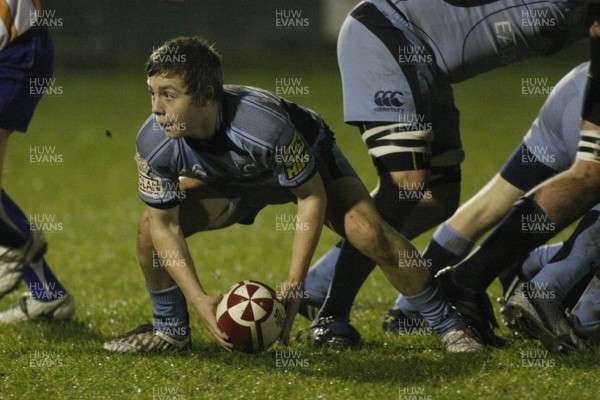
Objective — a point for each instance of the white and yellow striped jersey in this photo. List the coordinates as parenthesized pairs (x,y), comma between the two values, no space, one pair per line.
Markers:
(17,17)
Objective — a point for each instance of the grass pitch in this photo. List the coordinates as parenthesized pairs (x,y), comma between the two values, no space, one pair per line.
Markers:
(91,195)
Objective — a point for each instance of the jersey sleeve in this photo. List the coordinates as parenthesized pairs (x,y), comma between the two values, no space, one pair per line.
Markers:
(156,188)
(292,160)
(158,179)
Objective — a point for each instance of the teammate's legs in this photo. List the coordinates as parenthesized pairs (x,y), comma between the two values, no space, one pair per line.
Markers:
(536,260)
(391,140)
(575,259)
(551,202)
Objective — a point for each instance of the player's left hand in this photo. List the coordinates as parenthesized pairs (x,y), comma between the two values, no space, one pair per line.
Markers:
(290,296)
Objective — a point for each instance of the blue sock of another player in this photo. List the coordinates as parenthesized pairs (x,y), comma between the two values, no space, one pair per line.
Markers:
(14,226)
(572,262)
(436,310)
(447,247)
(587,309)
(536,260)
(42,283)
(320,274)
(170,312)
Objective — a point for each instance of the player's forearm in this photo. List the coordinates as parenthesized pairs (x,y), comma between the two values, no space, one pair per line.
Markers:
(175,257)
(311,216)
(580,182)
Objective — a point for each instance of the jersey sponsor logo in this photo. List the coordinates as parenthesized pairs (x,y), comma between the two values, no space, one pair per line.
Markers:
(507,44)
(246,166)
(294,157)
(388,100)
(148,185)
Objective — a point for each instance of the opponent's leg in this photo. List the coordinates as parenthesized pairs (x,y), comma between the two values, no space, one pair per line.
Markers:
(47,298)
(10,234)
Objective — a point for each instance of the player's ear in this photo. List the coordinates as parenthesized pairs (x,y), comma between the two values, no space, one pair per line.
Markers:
(594,30)
(207,95)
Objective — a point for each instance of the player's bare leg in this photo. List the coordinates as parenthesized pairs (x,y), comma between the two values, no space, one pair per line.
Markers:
(203,209)
(357,264)
(353,214)
(356,217)
(435,206)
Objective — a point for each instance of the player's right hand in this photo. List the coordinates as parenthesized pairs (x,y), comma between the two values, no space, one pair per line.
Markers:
(206,307)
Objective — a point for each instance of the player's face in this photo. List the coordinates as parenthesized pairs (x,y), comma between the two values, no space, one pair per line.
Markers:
(175,110)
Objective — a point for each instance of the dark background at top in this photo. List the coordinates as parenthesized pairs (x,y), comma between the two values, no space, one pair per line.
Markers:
(120,33)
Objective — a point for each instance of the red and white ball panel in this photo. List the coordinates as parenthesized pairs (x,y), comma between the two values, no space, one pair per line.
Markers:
(251,316)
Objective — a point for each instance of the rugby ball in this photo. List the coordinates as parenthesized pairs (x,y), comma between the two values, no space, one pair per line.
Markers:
(251,316)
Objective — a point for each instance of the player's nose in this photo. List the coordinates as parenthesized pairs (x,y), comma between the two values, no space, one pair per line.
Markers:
(157,106)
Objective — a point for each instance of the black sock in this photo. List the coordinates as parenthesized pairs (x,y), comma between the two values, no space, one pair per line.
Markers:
(351,271)
(508,275)
(523,229)
(439,257)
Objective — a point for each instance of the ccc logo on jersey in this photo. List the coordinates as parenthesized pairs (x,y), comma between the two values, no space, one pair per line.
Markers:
(388,99)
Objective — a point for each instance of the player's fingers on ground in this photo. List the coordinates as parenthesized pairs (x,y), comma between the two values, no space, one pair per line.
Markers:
(221,337)
(292,307)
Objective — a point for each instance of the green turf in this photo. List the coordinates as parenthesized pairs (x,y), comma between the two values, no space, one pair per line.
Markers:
(92,196)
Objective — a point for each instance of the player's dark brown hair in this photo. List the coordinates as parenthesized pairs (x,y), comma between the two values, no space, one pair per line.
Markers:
(196,61)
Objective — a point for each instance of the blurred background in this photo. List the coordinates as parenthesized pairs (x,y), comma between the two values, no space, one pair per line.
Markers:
(116,33)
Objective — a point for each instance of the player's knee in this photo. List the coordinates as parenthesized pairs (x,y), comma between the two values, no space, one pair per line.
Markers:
(400,191)
(367,232)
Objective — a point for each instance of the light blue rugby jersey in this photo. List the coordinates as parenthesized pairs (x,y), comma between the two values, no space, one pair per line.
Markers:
(258,144)
(469,37)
